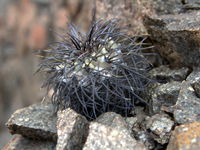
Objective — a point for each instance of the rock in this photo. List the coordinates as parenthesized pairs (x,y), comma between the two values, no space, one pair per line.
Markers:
(130,11)
(191,5)
(104,137)
(167,7)
(160,127)
(23,143)
(163,95)
(29,22)
(145,138)
(187,108)
(131,122)
(194,80)
(72,130)
(164,74)
(113,120)
(176,38)
(140,114)
(185,137)
(37,121)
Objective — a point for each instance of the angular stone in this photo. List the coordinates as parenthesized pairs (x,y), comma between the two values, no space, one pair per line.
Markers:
(187,108)
(145,138)
(160,127)
(176,37)
(104,137)
(23,143)
(72,130)
(131,121)
(185,137)
(194,80)
(113,120)
(37,121)
(137,127)
(163,95)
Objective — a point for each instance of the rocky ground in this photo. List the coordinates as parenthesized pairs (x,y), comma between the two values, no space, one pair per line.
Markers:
(171,121)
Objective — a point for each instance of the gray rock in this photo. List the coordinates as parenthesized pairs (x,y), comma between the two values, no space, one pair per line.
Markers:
(144,137)
(72,130)
(176,37)
(137,128)
(191,5)
(160,127)
(113,120)
(163,95)
(194,80)
(104,137)
(37,121)
(131,122)
(166,74)
(187,108)
(23,143)
(116,121)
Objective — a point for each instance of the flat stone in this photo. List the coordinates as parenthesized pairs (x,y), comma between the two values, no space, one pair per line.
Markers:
(104,137)
(37,121)
(176,38)
(23,143)
(72,130)
(185,137)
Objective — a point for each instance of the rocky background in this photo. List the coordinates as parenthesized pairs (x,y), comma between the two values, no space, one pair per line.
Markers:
(25,24)
(24,27)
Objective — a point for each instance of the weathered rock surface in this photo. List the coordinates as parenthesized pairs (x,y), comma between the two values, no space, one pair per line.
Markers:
(37,121)
(104,137)
(131,122)
(176,38)
(165,74)
(113,120)
(72,130)
(191,5)
(154,132)
(167,7)
(23,143)
(194,80)
(160,127)
(185,137)
(163,95)
(141,134)
(187,108)
(145,138)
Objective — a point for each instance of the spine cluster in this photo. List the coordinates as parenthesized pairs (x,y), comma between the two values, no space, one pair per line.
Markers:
(103,70)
